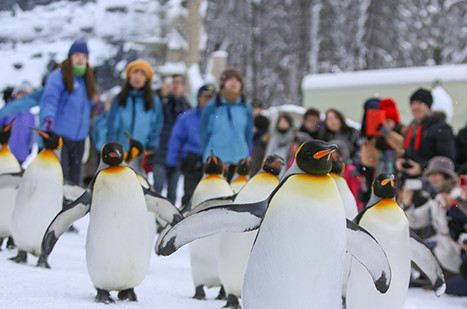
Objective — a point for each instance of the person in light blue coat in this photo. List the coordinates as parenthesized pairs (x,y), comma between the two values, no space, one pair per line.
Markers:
(226,125)
(66,107)
(136,110)
(184,138)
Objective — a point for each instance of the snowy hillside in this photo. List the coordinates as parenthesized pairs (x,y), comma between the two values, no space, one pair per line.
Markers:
(30,39)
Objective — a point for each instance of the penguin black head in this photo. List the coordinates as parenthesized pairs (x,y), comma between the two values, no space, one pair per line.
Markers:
(5,132)
(112,153)
(273,164)
(50,139)
(338,163)
(213,165)
(384,185)
(136,148)
(243,167)
(314,157)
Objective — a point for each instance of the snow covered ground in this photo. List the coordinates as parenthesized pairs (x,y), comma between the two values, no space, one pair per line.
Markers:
(167,285)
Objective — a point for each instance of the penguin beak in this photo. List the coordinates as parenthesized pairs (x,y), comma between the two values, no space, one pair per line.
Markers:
(327,152)
(41,133)
(113,154)
(386,181)
(8,126)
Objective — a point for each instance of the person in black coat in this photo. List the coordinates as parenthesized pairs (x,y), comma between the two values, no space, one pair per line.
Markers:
(461,148)
(427,136)
(174,104)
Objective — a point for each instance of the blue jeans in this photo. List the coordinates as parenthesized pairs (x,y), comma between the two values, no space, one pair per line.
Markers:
(161,179)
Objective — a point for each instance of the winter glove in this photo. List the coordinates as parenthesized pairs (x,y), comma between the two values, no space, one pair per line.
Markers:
(49,123)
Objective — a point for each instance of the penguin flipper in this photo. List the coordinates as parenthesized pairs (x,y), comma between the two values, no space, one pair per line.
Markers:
(63,220)
(421,255)
(165,211)
(365,249)
(219,219)
(11,180)
(217,201)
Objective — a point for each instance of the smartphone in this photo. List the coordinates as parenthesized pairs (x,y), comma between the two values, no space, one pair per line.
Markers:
(413,184)
(374,118)
(463,181)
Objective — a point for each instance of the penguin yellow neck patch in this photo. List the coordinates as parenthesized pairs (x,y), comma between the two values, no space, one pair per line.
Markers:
(213,176)
(114,169)
(47,154)
(4,149)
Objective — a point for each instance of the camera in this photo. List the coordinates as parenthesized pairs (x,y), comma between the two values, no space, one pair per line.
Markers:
(407,165)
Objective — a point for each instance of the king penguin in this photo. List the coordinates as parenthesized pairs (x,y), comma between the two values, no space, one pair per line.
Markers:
(120,236)
(297,259)
(387,222)
(241,176)
(8,164)
(204,252)
(235,248)
(39,198)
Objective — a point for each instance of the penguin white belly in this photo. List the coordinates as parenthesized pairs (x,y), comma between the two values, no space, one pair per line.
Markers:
(8,164)
(7,205)
(118,244)
(235,248)
(234,252)
(390,228)
(204,253)
(297,259)
(39,200)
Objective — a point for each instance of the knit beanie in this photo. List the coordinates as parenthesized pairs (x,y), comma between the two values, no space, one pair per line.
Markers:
(423,96)
(388,105)
(79,46)
(139,65)
(440,164)
(229,73)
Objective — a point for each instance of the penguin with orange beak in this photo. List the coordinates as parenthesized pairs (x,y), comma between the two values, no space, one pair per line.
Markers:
(39,198)
(387,222)
(8,164)
(297,259)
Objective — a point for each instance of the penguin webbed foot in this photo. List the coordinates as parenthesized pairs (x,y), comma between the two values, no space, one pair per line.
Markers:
(221,295)
(42,262)
(199,293)
(103,296)
(20,258)
(232,302)
(128,295)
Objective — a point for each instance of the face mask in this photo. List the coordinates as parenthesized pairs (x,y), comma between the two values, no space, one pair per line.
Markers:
(79,70)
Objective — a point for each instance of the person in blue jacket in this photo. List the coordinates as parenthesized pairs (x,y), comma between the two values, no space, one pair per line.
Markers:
(185,138)
(136,110)
(66,107)
(226,125)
